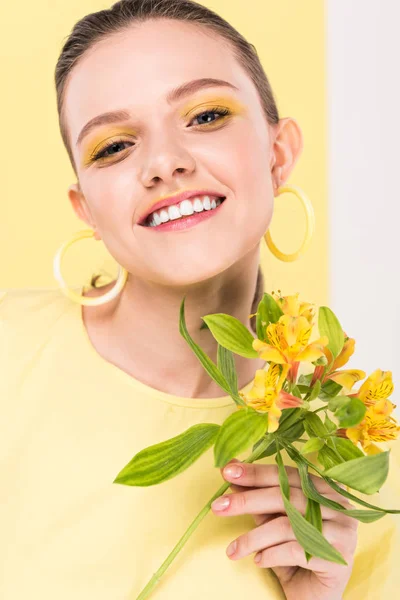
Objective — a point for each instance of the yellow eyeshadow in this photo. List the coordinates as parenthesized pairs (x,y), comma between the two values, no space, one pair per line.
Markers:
(100,139)
(212,100)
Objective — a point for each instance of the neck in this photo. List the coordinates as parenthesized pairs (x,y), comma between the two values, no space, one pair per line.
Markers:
(144,321)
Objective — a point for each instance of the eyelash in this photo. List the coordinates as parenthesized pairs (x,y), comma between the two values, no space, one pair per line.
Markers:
(223,112)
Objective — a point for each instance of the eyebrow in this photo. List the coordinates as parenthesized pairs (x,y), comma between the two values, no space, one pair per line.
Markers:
(190,87)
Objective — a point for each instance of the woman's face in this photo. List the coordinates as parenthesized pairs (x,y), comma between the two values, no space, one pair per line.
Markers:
(165,147)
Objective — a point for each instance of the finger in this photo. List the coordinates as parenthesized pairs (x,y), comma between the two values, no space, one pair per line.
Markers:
(279,532)
(260,475)
(291,554)
(269,501)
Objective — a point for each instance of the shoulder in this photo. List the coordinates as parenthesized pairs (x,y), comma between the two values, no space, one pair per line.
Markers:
(17,305)
(28,313)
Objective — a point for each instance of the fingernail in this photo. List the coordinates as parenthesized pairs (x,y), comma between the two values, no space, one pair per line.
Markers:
(221,503)
(231,549)
(233,471)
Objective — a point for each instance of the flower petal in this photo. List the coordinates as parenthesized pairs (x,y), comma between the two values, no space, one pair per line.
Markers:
(348,377)
(313,350)
(343,357)
(286,400)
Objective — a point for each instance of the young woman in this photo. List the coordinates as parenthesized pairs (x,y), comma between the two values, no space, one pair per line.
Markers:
(178,149)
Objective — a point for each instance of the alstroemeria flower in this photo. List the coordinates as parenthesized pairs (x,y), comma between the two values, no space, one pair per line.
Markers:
(376,390)
(266,394)
(346,377)
(290,305)
(288,344)
(373,428)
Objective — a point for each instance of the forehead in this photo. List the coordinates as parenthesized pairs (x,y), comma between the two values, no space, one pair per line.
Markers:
(136,68)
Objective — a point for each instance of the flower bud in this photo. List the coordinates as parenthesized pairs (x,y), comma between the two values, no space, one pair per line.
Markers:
(322,360)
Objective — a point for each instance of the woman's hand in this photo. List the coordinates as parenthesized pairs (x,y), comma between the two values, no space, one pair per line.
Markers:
(259,494)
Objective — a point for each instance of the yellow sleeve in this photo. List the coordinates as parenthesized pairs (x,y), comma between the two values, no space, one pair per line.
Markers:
(375,573)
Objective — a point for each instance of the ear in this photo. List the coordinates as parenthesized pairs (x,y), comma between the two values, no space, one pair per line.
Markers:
(287,147)
(80,206)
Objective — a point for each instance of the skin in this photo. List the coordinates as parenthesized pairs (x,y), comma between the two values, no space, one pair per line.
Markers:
(166,149)
(256,491)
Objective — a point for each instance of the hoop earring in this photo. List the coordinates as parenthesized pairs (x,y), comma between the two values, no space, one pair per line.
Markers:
(310,225)
(87,301)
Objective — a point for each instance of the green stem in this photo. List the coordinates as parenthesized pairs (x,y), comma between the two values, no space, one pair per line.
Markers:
(321,408)
(160,572)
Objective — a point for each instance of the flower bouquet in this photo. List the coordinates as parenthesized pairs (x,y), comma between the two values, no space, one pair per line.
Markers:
(277,412)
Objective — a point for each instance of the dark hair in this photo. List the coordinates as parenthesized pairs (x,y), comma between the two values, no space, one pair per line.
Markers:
(99,25)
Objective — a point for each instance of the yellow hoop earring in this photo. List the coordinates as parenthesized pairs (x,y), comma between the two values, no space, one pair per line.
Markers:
(310,225)
(87,301)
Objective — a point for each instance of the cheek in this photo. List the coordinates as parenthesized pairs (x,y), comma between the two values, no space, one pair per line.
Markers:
(249,176)
(112,199)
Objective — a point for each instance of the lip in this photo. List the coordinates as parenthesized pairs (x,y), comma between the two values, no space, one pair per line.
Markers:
(166,201)
(187,222)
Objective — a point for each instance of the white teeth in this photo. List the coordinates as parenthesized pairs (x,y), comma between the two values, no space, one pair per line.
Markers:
(206,202)
(198,205)
(185,208)
(173,212)
(164,215)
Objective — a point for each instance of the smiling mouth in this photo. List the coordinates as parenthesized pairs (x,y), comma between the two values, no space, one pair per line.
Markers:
(186,208)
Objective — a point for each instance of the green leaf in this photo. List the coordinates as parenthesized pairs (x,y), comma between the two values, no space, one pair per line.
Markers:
(328,458)
(328,324)
(315,390)
(231,334)
(289,417)
(226,364)
(312,445)
(351,413)
(305,379)
(268,311)
(338,402)
(237,433)
(303,389)
(329,389)
(311,492)
(207,363)
(294,432)
(291,449)
(347,449)
(314,426)
(366,474)
(306,534)
(164,460)
(313,516)
(330,425)
(296,392)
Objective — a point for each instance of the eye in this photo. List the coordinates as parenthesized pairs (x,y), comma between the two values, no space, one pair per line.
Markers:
(113,145)
(222,112)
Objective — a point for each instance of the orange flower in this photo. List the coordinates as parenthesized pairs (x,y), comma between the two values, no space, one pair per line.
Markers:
(374,427)
(346,377)
(266,394)
(288,343)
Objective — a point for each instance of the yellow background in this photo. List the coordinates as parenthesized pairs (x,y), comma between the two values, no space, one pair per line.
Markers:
(36,215)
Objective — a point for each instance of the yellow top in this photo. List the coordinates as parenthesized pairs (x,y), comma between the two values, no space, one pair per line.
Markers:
(70,420)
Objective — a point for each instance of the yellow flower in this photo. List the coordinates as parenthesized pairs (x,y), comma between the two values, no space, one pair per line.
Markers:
(345,377)
(290,305)
(266,394)
(288,343)
(373,428)
(376,390)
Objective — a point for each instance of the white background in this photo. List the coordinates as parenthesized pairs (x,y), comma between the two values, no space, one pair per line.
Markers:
(363,74)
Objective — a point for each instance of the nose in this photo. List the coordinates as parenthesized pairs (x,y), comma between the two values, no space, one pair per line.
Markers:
(164,160)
